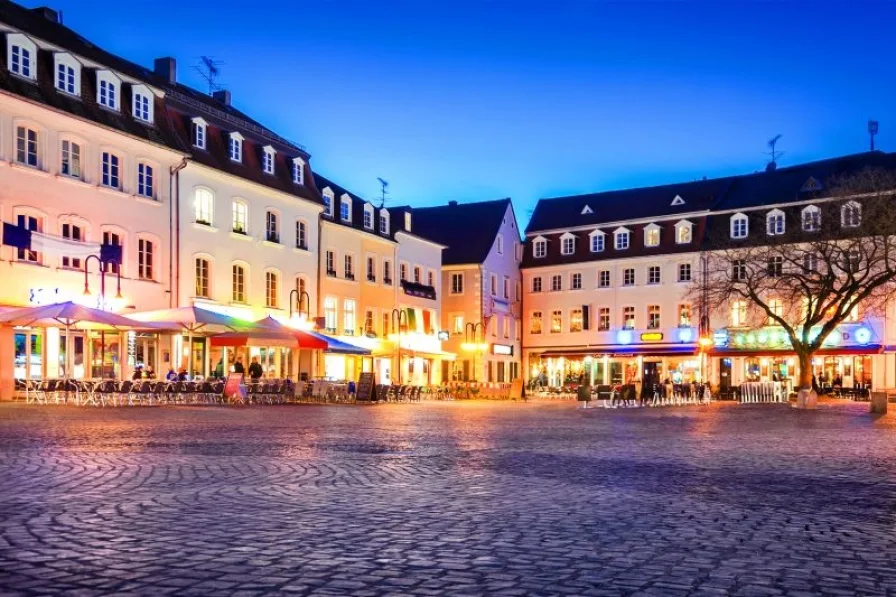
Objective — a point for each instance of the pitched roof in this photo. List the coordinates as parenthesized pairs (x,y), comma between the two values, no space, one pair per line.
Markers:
(396,217)
(467,229)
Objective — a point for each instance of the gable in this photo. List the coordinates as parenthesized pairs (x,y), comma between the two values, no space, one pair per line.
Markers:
(587,210)
(678,200)
(811,185)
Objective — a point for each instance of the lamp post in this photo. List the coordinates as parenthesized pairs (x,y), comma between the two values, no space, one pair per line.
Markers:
(396,316)
(472,342)
(102,265)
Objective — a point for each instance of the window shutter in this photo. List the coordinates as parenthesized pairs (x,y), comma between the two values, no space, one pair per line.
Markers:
(586,317)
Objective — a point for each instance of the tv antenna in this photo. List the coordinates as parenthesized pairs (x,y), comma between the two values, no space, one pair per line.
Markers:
(208,69)
(774,153)
(384,184)
(872,131)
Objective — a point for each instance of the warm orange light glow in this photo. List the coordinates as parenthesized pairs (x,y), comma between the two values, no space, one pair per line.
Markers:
(704,341)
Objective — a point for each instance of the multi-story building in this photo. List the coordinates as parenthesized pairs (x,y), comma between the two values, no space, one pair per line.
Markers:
(379,290)
(607,275)
(481,277)
(85,161)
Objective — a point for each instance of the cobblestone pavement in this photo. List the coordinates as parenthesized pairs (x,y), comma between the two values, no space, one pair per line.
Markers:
(447,499)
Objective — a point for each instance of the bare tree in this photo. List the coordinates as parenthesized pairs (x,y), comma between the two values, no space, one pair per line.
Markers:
(809,268)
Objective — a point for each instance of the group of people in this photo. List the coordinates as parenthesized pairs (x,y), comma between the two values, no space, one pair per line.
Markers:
(255,371)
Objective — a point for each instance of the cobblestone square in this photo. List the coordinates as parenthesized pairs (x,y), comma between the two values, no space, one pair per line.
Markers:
(447,499)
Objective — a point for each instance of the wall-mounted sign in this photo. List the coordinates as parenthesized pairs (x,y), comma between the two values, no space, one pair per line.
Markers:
(502,349)
(443,335)
(720,338)
(651,337)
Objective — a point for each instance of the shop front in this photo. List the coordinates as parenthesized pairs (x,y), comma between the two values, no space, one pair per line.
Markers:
(598,366)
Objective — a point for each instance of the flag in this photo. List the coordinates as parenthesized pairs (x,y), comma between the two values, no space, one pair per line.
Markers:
(412,319)
(427,322)
(110,254)
(16,236)
(62,246)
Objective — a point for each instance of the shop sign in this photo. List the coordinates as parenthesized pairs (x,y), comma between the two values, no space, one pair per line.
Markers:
(443,335)
(720,338)
(502,349)
(652,337)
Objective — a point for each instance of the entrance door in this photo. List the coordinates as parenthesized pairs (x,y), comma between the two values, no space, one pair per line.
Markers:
(651,377)
(725,374)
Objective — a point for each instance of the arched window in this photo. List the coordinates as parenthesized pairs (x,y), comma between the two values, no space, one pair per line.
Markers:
(739,226)
(851,215)
(301,234)
(272,227)
(203,277)
(272,289)
(238,283)
(774,223)
(204,206)
(240,217)
(811,218)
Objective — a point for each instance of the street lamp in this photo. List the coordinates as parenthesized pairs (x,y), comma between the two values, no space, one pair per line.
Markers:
(102,265)
(299,294)
(473,341)
(396,316)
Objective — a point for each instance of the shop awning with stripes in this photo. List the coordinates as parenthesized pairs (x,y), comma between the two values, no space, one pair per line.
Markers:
(339,346)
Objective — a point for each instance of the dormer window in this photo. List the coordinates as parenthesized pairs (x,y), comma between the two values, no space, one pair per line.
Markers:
(739,226)
(368,216)
(774,223)
(199,127)
(851,215)
(651,235)
(298,171)
(142,103)
(267,159)
(384,222)
(597,241)
(622,239)
(407,221)
(567,244)
(107,89)
(539,248)
(235,147)
(811,218)
(684,232)
(328,202)
(68,74)
(22,53)
(345,208)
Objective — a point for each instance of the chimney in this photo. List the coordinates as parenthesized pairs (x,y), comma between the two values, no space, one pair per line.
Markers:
(166,68)
(47,13)
(223,96)
(452,204)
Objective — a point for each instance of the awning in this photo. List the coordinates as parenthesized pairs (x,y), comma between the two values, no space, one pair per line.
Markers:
(338,346)
(306,339)
(257,338)
(652,350)
(840,351)
(406,352)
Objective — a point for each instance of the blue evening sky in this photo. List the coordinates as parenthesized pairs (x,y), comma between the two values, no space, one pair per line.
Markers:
(481,100)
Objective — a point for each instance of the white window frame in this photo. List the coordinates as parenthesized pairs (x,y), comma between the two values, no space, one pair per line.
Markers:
(142,91)
(575,277)
(146,179)
(775,224)
(680,227)
(302,230)
(207,279)
(537,284)
(26,67)
(567,244)
(345,214)
(457,284)
(108,90)
(682,267)
(75,158)
(368,216)
(500,244)
(625,271)
(235,147)
(735,227)
(114,169)
(72,74)
(601,277)
(31,148)
(811,218)
(329,199)
(852,208)
(199,132)
(385,223)
(153,254)
(242,297)
(298,171)
(598,241)
(658,279)
(649,231)
(272,278)
(239,220)
(618,235)
(539,247)
(268,156)
(203,211)
(272,216)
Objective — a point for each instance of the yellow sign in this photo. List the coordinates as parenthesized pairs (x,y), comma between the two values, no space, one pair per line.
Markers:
(651,337)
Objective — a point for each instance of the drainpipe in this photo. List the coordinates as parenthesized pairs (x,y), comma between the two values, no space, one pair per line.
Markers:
(174,239)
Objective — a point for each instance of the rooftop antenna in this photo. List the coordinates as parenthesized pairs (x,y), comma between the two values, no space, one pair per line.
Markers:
(774,153)
(384,184)
(872,130)
(208,69)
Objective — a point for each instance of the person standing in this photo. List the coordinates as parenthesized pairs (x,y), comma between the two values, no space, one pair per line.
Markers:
(255,370)
(238,366)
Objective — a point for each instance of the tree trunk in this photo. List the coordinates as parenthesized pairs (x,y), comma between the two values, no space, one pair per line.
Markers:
(805,360)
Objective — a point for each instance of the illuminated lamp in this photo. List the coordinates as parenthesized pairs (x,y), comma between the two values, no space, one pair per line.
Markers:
(740,339)
(624,336)
(863,335)
(751,338)
(705,342)
(588,359)
(762,337)
(686,334)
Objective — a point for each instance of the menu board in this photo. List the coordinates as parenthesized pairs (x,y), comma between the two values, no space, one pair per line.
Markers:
(366,390)
(516,389)
(234,388)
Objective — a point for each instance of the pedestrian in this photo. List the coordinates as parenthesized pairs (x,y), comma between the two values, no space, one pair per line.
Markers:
(814,383)
(255,370)
(171,375)
(138,373)
(149,372)
(238,366)
(182,374)
(219,369)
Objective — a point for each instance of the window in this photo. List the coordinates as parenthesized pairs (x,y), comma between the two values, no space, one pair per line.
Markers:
(575,281)
(71,159)
(73,232)
(851,261)
(684,272)
(403,272)
(387,272)
(371,269)
(348,317)
(349,267)
(628,318)
(431,279)
(739,226)
(271,289)
(505,327)
(26,146)
(556,283)
(384,222)
(652,236)
(603,278)
(239,284)
(575,320)
(500,244)
(684,315)
(568,245)
(113,238)
(628,276)
(457,324)
(272,227)
(603,319)
(407,221)
(417,275)
(330,314)
(536,284)
(653,274)
(110,171)
(235,147)
(738,313)
(739,270)
(199,133)
(556,321)
(622,239)
(141,107)
(387,316)
(535,323)
(240,217)
(331,263)
(145,254)
(203,203)
(298,171)
(20,61)
(540,248)
(683,233)
(108,94)
(851,215)
(653,317)
(507,287)
(811,219)
(202,278)
(368,217)
(774,223)
(301,235)
(35,224)
(775,267)
(457,283)
(145,183)
(597,242)
(267,160)
(518,286)
(775,307)
(368,323)
(65,79)
(344,211)
(328,202)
